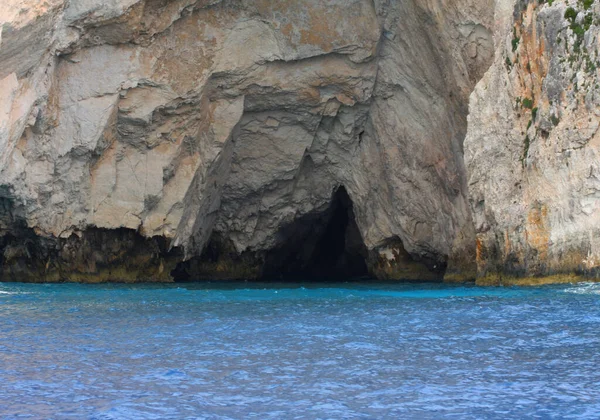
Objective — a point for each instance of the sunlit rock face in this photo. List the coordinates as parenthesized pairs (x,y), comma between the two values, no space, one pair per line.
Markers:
(203,138)
(533,146)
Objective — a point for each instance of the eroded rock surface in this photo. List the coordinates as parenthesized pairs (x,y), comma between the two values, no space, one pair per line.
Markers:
(532,149)
(221,132)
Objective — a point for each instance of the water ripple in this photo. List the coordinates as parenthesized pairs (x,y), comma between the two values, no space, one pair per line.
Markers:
(229,351)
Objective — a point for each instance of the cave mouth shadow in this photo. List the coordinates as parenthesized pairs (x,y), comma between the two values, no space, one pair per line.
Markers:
(320,247)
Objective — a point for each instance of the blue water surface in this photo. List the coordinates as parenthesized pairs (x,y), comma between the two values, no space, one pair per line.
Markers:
(282,351)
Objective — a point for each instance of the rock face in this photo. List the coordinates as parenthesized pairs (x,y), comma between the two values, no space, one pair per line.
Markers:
(533,145)
(161,139)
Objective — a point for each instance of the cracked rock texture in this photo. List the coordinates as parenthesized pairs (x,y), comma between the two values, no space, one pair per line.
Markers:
(139,134)
(533,146)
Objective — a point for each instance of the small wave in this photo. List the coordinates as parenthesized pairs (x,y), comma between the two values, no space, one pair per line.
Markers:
(585,289)
(4,292)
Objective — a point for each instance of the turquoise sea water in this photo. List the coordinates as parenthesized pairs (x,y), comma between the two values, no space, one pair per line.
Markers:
(281,351)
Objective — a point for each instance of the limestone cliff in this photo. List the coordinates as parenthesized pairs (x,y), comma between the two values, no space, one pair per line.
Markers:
(533,145)
(161,139)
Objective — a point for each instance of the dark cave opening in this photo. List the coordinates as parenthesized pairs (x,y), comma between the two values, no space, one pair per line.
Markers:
(320,247)
(317,247)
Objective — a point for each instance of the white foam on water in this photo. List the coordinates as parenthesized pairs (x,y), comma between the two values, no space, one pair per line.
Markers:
(585,289)
(4,292)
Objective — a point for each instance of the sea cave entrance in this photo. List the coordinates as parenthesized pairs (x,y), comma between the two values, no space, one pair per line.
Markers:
(320,247)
